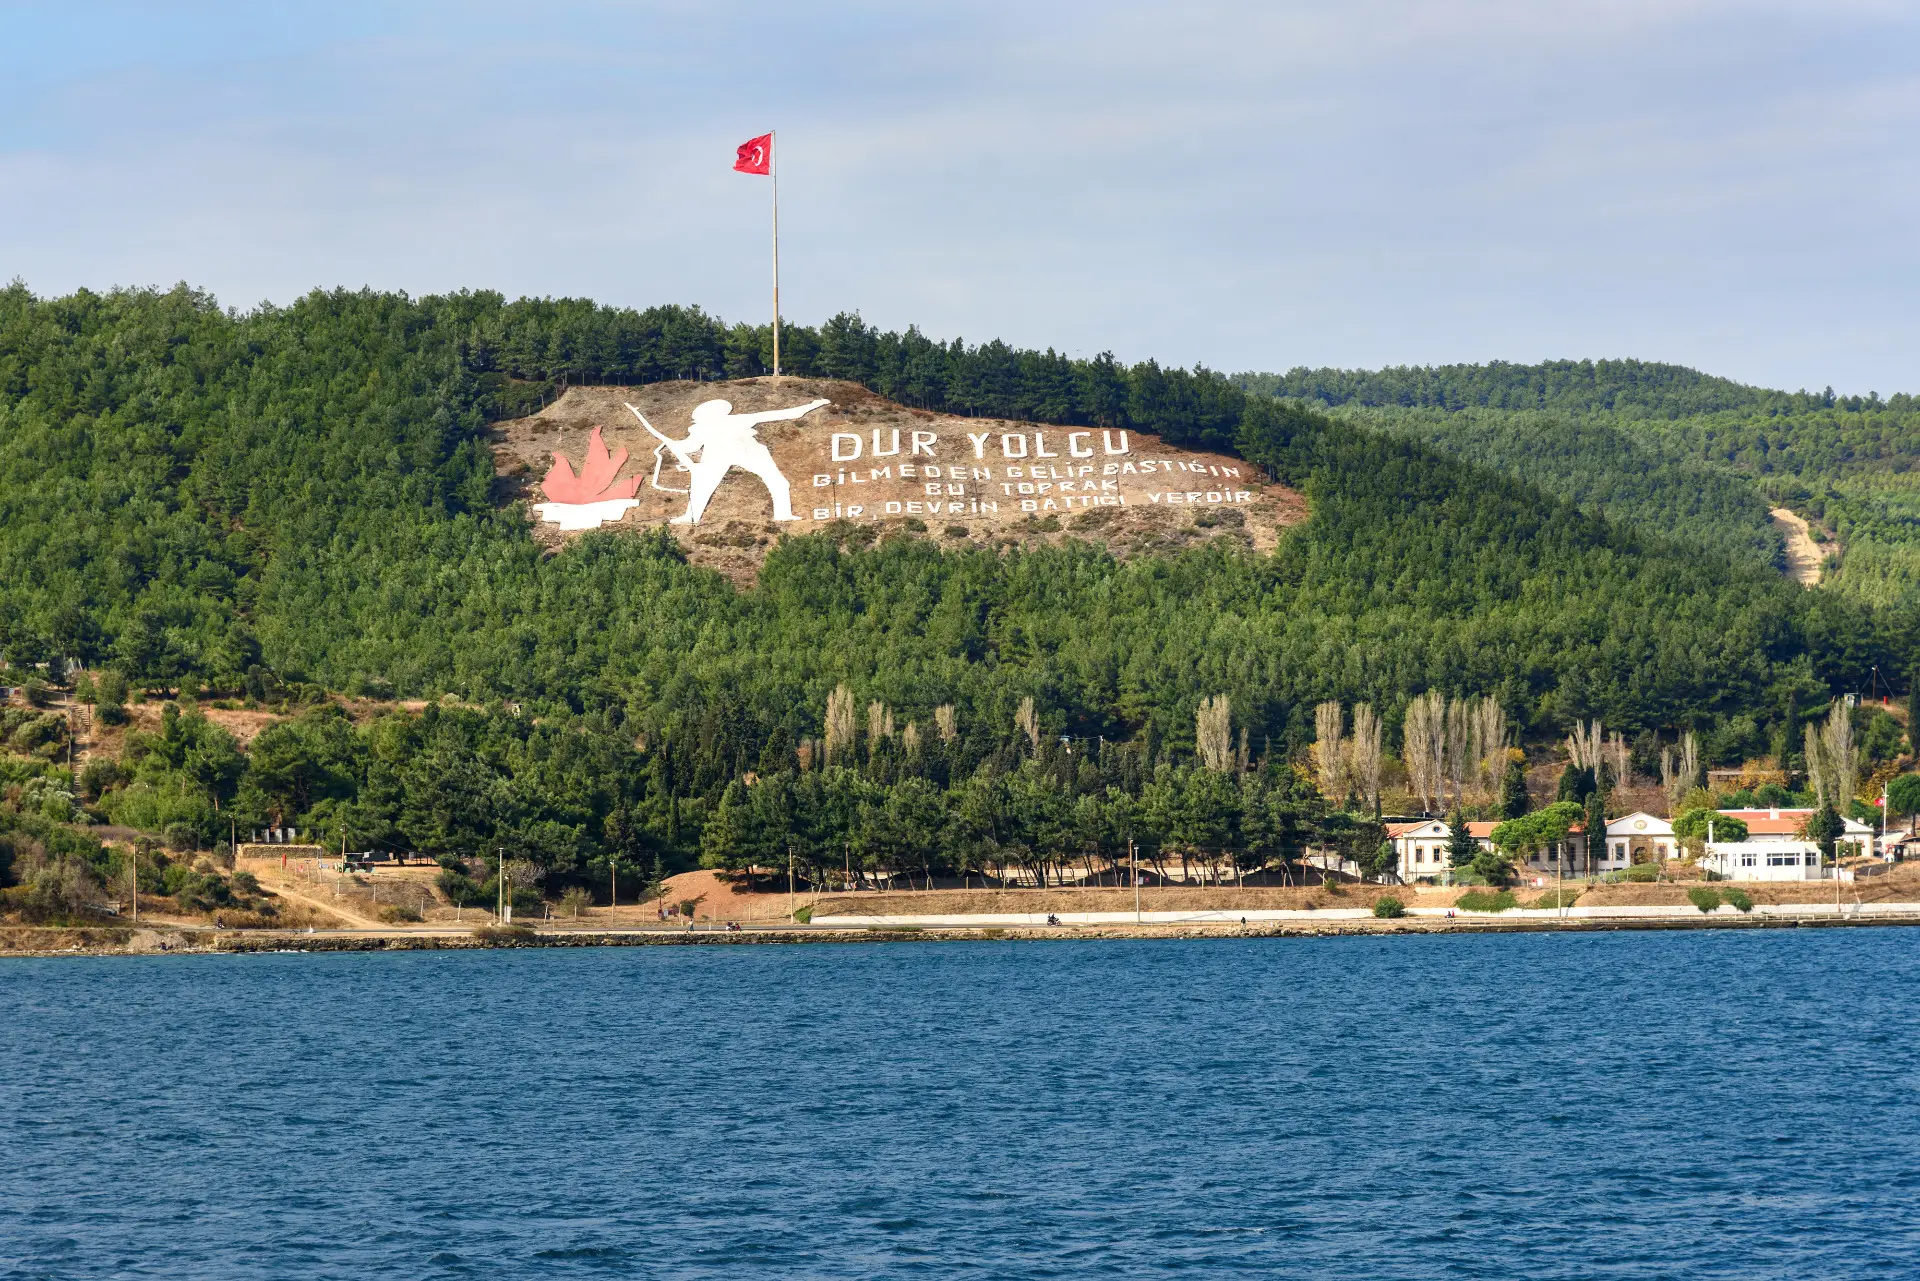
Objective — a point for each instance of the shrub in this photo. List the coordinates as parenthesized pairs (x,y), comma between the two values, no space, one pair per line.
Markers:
(111,714)
(59,890)
(956,531)
(179,836)
(1486,901)
(1387,907)
(496,934)
(1704,899)
(575,901)
(1642,873)
(1739,898)
(461,890)
(803,915)
(266,917)
(1555,899)
(98,776)
(395,913)
(112,688)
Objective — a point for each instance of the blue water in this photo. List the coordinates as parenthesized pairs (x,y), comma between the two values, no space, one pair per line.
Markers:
(1738,1104)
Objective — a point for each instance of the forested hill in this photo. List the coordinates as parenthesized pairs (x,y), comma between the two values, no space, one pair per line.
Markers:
(1630,388)
(1691,457)
(305,494)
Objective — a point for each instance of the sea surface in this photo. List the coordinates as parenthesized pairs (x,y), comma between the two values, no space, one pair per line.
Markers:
(1700,1104)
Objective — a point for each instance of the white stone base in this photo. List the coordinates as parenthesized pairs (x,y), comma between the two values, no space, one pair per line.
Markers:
(585,515)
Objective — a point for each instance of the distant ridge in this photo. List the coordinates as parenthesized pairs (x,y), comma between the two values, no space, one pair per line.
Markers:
(1631,388)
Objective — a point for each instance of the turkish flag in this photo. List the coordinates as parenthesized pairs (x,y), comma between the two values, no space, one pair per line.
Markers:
(756,155)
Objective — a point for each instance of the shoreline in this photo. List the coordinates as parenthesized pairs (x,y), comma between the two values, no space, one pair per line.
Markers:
(93,941)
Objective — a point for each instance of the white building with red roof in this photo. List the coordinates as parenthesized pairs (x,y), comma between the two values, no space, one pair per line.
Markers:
(1420,850)
(1775,850)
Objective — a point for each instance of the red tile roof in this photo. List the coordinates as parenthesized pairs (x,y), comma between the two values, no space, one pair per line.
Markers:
(1787,823)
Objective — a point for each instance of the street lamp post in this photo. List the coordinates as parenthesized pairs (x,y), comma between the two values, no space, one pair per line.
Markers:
(1133,862)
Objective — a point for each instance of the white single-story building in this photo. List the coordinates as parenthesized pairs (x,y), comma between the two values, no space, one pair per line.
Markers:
(1638,837)
(1420,850)
(1774,849)
(1785,825)
(1771,858)
(1897,846)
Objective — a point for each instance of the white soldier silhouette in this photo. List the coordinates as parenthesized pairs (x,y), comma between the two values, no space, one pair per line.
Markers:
(725,440)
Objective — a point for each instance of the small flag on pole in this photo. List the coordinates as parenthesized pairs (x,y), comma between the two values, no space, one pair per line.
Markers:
(756,155)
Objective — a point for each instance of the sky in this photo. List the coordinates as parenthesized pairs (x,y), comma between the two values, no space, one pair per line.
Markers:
(1357,183)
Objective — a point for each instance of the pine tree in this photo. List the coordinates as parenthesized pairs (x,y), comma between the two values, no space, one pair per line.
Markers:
(1461,847)
(1576,785)
(1596,824)
(1513,793)
(1825,827)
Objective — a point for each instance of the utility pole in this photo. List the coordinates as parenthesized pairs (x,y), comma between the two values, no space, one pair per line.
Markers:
(1133,862)
(793,906)
(500,886)
(133,870)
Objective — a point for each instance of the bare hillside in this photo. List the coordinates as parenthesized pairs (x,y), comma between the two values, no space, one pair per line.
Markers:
(867,466)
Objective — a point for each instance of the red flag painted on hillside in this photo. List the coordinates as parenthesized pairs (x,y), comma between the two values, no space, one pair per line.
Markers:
(756,155)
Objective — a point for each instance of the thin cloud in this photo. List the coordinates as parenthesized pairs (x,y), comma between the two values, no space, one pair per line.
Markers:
(1249,186)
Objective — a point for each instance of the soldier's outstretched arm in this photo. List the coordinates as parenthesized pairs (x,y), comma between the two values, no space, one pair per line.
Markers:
(782,415)
(680,448)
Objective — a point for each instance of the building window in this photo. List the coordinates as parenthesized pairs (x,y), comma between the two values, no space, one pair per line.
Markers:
(1619,849)
(1783,860)
(1746,860)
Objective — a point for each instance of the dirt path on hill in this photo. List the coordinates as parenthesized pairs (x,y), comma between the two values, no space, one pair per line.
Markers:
(322,905)
(1805,560)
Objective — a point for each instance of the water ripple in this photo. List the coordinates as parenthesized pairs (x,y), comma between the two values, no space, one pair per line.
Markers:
(1737,1104)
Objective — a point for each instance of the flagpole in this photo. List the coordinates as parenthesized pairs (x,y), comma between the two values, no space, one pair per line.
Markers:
(773,171)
